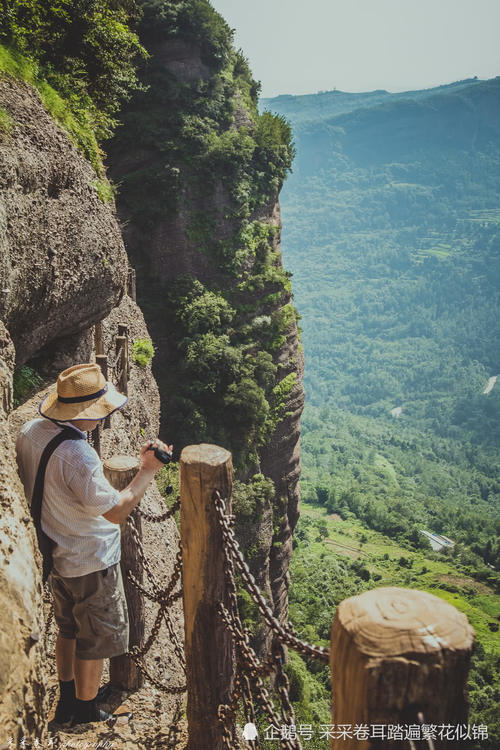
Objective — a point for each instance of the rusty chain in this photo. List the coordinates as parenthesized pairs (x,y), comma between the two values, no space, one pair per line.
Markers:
(248,707)
(175,689)
(158,518)
(158,595)
(248,666)
(284,633)
(283,686)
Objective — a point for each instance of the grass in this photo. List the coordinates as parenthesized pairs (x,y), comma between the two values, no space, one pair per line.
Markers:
(105,189)
(5,122)
(78,128)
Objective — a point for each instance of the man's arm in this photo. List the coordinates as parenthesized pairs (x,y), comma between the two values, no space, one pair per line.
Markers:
(133,493)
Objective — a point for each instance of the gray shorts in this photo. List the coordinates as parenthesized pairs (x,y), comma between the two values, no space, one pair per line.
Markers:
(93,609)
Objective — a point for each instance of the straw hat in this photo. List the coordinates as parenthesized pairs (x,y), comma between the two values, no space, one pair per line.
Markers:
(82,393)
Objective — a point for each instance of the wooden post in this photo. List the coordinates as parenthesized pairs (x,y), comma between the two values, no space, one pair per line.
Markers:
(208,644)
(98,342)
(96,439)
(123,330)
(102,361)
(121,348)
(396,653)
(131,283)
(123,672)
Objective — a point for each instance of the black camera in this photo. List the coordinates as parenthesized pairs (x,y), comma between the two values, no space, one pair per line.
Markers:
(162,456)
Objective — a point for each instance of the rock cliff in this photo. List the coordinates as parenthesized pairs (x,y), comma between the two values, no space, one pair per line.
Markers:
(63,264)
(63,268)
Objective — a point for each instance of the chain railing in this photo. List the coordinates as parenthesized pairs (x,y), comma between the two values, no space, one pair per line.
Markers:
(250,671)
(164,597)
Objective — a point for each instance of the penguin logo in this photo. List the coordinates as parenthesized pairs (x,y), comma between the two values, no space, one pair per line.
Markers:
(250,732)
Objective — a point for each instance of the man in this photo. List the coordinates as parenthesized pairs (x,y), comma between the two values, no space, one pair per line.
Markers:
(81,514)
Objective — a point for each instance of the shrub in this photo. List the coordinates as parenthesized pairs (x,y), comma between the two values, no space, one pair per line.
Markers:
(143,351)
(25,381)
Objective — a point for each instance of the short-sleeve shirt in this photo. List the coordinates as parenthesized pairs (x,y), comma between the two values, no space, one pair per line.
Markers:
(76,494)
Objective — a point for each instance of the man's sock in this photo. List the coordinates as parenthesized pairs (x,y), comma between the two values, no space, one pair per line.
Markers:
(66,705)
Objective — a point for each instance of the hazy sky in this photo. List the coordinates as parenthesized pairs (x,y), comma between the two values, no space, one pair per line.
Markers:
(305,46)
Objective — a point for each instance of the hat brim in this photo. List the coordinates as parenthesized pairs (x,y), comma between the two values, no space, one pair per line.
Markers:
(99,408)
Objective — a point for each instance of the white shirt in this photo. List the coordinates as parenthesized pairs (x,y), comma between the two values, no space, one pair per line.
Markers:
(76,494)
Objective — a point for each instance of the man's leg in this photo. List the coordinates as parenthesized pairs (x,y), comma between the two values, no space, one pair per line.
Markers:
(88,673)
(65,655)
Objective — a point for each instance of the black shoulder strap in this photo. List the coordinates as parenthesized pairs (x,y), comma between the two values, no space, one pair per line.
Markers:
(44,542)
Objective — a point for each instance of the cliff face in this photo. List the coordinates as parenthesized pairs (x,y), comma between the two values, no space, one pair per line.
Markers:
(57,238)
(202,226)
(63,267)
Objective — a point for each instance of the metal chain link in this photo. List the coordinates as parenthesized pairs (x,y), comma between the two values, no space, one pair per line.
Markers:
(158,518)
(163,596)
(248,708)
(283,686)
(158,595)
(226,712)
(176,689)
(284,633)
(250,665)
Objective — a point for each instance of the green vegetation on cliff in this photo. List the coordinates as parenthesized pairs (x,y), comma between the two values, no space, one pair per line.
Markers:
(81,56)
(215,166)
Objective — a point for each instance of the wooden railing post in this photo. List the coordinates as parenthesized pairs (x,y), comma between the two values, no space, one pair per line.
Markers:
(208,645)
(121,353)
(102,361)
(123,672)
(131,284)
(98,342)
(397,653)
(123,330)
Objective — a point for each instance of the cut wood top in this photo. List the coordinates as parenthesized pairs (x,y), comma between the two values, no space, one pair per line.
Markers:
(391,621)
(213,455)
(121,463)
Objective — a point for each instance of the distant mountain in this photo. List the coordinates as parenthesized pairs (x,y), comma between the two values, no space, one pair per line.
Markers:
(327,104)
(391,226)
(396,198)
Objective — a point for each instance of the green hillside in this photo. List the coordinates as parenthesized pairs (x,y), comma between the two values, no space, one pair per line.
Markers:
(391,228)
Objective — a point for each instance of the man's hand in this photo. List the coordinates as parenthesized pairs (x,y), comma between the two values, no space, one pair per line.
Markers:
(147,456)
(132,494)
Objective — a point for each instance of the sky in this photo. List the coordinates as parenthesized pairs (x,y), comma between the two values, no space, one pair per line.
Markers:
(306,46)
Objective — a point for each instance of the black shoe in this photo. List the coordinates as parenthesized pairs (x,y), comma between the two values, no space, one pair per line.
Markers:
(88,712)
(104,693)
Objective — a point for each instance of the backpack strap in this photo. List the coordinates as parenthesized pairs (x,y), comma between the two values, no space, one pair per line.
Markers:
(45,543)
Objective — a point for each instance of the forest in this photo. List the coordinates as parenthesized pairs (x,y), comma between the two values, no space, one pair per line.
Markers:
(392,230)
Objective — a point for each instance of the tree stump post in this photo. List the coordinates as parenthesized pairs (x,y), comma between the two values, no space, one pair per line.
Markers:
(121,354)
(208,644)
(123,672)
(395,654)
(123,330)
(98,342)
(102,361)
(131,284)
